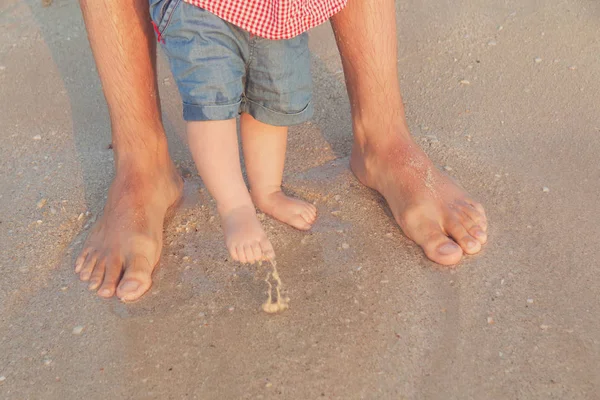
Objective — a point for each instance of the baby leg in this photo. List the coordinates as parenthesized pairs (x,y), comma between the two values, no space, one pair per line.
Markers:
(214,148)
(264,152)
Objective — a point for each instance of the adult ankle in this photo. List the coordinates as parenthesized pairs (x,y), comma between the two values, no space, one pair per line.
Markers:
(147,138)
(378,138)
(377,125)
(146,157)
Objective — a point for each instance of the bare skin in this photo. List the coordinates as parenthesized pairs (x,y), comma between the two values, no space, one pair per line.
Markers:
(215,150)
(429,207)
(264,152)
(214,147)
(124,246)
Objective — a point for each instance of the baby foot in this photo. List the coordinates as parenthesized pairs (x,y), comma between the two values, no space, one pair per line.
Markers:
(244,236)
(297,213)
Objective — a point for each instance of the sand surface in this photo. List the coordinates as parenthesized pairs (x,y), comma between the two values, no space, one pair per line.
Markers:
(505,95)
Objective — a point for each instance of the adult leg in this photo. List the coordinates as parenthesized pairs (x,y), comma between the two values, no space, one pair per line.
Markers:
(429,207)
(125,244)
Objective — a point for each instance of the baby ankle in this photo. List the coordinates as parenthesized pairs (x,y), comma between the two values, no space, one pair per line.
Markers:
(265,194)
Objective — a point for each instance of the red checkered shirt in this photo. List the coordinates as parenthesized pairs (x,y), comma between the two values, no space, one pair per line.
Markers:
(273,19)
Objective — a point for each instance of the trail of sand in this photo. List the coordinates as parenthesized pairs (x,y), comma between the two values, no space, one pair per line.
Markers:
(281,304)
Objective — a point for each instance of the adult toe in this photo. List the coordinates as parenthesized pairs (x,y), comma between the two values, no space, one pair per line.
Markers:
(88,266)
(472,224)
(81,259)
(112,275)
(459,233)
(478,207)
(136,280)
(97,274)
(437,246)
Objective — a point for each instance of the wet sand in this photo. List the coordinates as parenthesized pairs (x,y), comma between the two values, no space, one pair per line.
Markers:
(504,97)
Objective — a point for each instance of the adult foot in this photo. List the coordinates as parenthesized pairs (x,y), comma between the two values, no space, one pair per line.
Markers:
(294,212)
(430,208)
(124,245)
(244,236)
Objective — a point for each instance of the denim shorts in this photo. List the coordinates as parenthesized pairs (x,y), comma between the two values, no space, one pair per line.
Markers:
(222,70)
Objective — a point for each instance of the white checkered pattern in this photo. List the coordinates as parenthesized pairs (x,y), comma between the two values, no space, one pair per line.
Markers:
(273,19)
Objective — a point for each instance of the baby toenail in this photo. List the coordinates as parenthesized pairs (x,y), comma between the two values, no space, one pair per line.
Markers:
(104,292)
(448,248)
(479,234)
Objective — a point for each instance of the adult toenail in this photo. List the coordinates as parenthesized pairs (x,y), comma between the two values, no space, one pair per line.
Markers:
(130,286)
(479,234)
(471,244)
(448,248)
(104,292)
